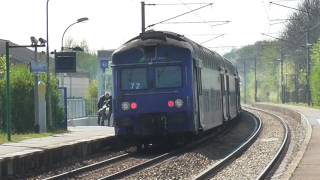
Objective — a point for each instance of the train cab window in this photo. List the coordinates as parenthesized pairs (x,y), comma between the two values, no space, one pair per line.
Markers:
(168,77)
(134,79)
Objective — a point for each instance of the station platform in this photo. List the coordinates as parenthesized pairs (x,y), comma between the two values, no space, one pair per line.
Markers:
(28,155)
(309,166)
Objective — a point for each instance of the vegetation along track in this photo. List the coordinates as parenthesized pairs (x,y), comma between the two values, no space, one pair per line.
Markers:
(264,156)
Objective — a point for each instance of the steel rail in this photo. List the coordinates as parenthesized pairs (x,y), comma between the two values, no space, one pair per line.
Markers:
(166,156)
(271,167)
(89,167)
(213,169)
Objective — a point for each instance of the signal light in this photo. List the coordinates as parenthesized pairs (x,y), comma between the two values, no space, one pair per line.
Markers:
(178,103)
(125,106)
(170,104)
(134,105)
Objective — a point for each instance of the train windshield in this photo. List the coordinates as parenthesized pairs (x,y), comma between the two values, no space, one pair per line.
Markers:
(134,79)
(168,77)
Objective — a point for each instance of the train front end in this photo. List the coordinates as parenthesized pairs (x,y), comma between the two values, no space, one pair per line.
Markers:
(152,94)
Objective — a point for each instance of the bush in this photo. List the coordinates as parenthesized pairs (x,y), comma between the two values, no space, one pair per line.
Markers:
(22,100)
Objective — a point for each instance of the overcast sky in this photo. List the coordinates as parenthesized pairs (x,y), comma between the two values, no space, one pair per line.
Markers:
(112,22)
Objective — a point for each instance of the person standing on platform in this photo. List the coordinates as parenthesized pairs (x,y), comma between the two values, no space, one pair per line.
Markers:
(100,104)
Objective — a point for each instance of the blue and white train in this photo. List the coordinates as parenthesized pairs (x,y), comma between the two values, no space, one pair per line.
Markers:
(167,85)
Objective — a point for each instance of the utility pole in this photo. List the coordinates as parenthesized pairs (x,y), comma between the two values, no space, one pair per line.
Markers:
(48,88)
(282,83)
(245,81)
(255,80)
(308,93)
(8,93)
(143,17)
(36,94)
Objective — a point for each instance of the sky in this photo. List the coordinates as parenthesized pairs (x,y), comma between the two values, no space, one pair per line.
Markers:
(113,22)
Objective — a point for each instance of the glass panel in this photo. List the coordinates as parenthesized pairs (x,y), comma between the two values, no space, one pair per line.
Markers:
(134,79)
(168,77)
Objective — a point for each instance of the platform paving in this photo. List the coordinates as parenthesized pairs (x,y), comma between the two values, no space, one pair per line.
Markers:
(78,141)
(309,166)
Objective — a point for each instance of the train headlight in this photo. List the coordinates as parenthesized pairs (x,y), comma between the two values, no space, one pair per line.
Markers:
(125,106)
(178,103)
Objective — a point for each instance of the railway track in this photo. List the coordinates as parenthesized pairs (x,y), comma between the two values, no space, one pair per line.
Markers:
(213,169)
(276,160)
(113,168)
(139,165)
(237,169)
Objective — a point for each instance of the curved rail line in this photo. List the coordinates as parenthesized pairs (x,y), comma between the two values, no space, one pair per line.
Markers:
(165,156)
(89,167)
(271,167)
(213,169)
(154,160)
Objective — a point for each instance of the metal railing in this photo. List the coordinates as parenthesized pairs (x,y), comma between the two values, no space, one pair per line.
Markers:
(79,108)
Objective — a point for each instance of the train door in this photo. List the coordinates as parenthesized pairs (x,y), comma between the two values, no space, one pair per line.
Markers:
(227,95)
(196,113)
(198,85)
(238,94)
(223,94)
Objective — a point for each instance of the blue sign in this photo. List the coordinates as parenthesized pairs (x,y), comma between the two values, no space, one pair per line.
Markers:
(38,67)
(104,63)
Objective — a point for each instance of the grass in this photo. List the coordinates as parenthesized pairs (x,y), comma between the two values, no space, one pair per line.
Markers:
(21,137)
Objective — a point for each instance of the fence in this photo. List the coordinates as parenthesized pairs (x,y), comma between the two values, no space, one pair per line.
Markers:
(79,108)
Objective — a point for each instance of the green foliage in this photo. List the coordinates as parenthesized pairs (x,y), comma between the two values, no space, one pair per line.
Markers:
(92,92)
(315,74)
(268,75)
(22,103)
(2,74)
(22,100)
(2,66)
(88,62)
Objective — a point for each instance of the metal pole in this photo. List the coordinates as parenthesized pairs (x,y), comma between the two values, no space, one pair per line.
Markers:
(255,80)
(282,83)
(65,33)
(8,96)
(245,81)
(143,16)
(36,94)
(308,70)
(48,90)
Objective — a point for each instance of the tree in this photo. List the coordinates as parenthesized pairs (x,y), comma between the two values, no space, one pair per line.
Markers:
(315,74)
(92,92)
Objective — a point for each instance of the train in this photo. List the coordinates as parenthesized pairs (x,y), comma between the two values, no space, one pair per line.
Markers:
(166,85)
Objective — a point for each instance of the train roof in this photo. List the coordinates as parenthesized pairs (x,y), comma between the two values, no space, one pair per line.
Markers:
(151,37)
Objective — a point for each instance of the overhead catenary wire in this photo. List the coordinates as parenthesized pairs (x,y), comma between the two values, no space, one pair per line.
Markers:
(196,22)
(160,22)
(212,39)
(176,4)
(272,2)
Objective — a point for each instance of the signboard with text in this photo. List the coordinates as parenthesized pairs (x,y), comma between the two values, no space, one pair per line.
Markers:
(65,62)
(37,67)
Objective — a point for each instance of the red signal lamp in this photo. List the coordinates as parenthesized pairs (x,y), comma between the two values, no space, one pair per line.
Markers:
(170,104)
(133,105)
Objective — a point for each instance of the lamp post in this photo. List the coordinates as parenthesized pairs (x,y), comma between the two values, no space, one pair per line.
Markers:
(78,21)
(48,89)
